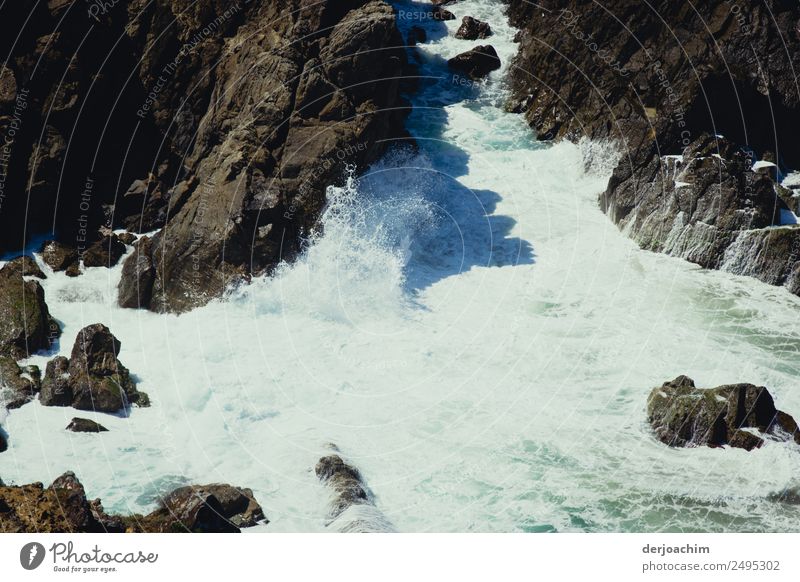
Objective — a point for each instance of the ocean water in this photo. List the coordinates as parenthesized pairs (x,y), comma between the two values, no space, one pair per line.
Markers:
(470,330)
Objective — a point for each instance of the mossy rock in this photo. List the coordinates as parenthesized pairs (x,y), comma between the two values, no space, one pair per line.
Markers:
(737,415)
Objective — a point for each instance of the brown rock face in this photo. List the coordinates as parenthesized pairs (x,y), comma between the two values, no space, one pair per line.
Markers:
(671,81)
(735,415)
(58,256)
(235,117)
(64,508)
(138,276)
(280,120)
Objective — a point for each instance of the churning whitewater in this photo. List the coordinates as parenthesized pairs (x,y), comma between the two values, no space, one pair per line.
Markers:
(468,328)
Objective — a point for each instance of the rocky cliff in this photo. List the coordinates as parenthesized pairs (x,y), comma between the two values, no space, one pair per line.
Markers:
(702,102)
(219,123)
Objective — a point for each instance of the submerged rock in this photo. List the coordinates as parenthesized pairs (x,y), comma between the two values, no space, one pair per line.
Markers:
(476,63)
(442,15)
(737,415)
(352,507)
(473,29)
(18,386)
(26,323)
(93,378)
(85,425)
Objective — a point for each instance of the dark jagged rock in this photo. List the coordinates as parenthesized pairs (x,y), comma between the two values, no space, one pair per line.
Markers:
(104,253)
(93,378)
(26,267)
(58,256)
(623,74)
(473,29)
(56,389)
(3,446)
(735,415)
(235,505)
(476,63)
(85,425)
(64,508)
(18,386)
(27,325)
(138,276)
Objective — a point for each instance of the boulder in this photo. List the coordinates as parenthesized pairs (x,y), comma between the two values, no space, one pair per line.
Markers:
(3,445)
(233,504)
(56,388)
(18,386)
(85,425)
(93,378)
(473,29)
(58,256)
(104,253)
(476,63)
(27,325)
(737,415)
(127,238)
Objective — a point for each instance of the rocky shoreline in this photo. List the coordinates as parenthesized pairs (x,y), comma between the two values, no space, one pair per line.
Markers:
(701,103)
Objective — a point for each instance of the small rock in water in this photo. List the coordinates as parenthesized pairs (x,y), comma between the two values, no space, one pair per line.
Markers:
(85,425)
(476,63)
(58,256)
(737,415)
(473,29)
